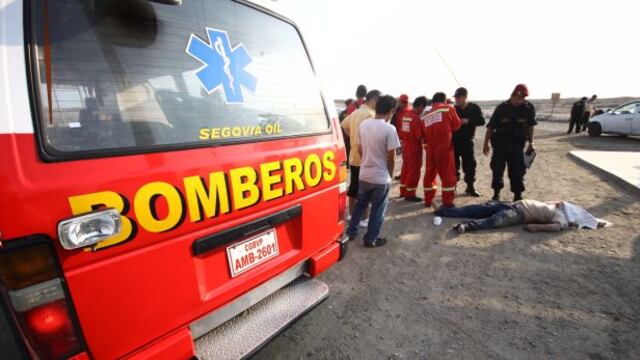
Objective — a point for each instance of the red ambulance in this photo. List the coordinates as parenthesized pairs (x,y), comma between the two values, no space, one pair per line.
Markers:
(172,179)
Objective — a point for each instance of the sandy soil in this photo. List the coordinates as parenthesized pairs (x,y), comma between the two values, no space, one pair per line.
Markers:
(503,294)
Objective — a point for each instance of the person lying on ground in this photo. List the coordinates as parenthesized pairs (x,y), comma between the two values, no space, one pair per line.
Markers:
(537,216)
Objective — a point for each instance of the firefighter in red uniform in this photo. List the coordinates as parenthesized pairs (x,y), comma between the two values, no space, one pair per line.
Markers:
(403,104)
(361,92)
(437,128)
(408,123)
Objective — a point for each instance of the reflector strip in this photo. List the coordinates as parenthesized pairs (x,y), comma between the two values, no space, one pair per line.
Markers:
(36,295)
(343,187)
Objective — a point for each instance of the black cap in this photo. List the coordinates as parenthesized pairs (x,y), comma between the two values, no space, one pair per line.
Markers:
(460,92)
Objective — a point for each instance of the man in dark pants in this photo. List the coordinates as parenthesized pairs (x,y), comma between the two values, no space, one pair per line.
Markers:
(577,114)
(589,109)
(508,130)
(345,136)
(463,144)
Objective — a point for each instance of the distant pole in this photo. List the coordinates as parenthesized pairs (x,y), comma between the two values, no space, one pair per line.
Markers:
(555,98)
(447,65)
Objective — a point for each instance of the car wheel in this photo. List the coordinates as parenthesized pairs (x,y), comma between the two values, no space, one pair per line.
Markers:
(595,129)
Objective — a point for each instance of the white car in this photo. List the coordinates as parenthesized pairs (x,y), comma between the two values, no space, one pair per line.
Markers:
(623,120)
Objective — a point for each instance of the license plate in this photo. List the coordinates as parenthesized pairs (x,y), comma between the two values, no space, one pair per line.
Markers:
(252,252)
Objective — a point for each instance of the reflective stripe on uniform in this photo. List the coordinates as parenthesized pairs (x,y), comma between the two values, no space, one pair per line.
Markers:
(443,110)
(431,189)
(449,189)
(412,189)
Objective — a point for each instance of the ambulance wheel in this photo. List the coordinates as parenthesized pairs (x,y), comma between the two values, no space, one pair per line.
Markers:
(595,129)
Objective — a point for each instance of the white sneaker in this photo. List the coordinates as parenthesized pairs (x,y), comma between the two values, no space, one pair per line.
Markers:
(364,224)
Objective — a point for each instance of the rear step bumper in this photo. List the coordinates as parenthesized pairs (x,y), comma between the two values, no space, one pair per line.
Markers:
(246,333)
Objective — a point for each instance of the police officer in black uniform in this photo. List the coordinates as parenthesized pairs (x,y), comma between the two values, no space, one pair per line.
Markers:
(577,115)
(471,117)
(508,130)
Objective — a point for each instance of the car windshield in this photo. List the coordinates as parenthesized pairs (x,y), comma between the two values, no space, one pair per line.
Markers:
(627,109)
(137,74)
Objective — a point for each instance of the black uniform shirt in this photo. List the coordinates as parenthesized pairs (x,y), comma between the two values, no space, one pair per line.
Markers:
(577,110)
(510,123)
(472,113)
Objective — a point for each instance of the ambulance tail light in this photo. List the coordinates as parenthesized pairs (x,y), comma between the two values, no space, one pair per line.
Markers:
(31,283)
(342,203)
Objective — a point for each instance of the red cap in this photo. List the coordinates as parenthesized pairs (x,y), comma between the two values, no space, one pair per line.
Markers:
(520,90)
(404,98)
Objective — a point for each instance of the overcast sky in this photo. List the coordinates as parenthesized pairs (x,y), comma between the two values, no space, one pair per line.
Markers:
(553,46)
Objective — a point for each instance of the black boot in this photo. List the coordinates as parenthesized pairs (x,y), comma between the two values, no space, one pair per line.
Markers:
(466,226)
(496,195)
(517,197)
(471,190)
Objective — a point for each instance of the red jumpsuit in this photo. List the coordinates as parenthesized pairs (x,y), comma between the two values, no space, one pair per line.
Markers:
(408,123)
(354,106)
(437,128)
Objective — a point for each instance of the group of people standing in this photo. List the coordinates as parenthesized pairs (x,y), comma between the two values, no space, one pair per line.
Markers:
(376,125)
(581,112)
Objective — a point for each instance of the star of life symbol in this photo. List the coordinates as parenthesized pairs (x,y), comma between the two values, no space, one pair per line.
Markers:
(223,66)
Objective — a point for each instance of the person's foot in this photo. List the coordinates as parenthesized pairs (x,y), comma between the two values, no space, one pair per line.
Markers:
(496,195)
(472,191)
(364,224)
(413,199)
(352,237)
(377,243)
(460,228)
(397,177)
(517,197)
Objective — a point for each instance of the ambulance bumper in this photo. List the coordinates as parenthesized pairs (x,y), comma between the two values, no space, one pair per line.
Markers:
(264,312)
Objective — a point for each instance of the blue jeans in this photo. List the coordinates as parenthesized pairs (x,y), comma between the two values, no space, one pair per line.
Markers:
(378,196)
(491,215)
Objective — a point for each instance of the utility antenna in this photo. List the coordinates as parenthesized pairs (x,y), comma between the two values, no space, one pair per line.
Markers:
(447,65)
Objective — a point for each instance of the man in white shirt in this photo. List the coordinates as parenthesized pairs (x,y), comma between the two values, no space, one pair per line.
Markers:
(378,141)
(351,126)
(589,109)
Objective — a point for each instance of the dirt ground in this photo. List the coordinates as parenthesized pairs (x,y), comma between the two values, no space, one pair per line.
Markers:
(503,294)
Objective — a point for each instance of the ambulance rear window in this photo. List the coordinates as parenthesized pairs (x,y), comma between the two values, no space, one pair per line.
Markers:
(125,75)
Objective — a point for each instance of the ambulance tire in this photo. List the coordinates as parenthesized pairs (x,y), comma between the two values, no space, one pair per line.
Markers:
(595,129)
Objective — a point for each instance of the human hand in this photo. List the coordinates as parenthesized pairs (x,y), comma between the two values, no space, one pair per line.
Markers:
(530,149)
(486,149)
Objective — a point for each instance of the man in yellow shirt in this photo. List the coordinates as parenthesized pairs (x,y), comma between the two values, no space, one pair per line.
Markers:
(351,126)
